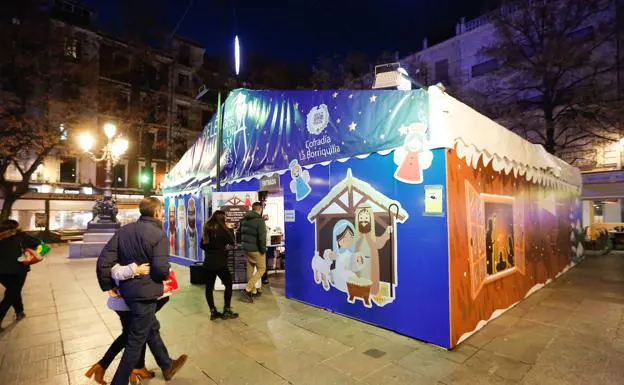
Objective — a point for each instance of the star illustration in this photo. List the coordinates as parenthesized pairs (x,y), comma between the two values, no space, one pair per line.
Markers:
(403,130)
(359,112)
(338,120)
(382,136)
(373,98)
(335,95)
(352,126)
(351,96)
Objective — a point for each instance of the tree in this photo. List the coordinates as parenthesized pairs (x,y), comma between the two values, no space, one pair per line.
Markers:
(45,85)
(555,81)
(341,72)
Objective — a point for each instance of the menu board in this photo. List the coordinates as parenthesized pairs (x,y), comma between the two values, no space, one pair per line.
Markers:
(237,264)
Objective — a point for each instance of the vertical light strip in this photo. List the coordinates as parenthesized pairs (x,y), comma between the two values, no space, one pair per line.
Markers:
(237,55)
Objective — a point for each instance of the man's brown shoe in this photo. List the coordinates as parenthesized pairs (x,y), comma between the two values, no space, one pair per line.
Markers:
(176,365)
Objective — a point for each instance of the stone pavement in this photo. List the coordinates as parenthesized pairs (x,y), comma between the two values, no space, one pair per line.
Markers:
(571,332)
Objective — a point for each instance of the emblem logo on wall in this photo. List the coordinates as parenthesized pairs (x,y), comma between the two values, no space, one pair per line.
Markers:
(300,183)
(413,157)
(318,119)
(355,228)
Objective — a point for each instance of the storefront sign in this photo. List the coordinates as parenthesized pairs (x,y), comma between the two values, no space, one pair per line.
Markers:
(604,177)
(270,183)
(234,204)
(67,197)
(289,215)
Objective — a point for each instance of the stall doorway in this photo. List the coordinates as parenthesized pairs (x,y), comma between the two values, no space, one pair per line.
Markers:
(276,238)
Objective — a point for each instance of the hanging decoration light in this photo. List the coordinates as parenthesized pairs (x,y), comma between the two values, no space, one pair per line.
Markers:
(237,58)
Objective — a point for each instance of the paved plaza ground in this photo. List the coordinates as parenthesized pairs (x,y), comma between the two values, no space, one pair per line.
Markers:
(571,332)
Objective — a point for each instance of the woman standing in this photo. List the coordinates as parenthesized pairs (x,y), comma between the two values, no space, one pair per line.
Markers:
(216,236)
(13,273)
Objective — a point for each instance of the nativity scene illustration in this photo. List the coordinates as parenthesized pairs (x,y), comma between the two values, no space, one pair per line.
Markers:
(356,242)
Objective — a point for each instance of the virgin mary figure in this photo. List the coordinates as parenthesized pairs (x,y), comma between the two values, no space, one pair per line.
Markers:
(343,253)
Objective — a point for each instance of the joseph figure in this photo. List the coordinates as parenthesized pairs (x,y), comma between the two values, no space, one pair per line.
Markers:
(368,245)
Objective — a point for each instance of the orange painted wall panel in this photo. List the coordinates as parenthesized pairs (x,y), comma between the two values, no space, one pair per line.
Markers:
(542,218)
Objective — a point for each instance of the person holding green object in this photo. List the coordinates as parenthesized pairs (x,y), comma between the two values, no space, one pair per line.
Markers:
(14,243)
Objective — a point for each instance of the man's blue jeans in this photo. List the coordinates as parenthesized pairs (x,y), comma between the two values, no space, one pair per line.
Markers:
(144,327)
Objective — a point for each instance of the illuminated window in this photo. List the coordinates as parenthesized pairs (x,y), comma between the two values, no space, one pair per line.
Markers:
(119,175)
(72,48)
(63,131)
(68,170)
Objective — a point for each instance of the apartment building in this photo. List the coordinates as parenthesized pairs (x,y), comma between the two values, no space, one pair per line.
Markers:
(461,65)
(68,182)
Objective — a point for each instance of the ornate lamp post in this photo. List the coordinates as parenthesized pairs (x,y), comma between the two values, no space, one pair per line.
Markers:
(105,210)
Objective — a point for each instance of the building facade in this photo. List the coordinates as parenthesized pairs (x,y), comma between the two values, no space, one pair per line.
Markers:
(165,121)
(459,63)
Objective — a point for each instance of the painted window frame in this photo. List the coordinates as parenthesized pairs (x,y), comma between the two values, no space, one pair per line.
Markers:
(477,256)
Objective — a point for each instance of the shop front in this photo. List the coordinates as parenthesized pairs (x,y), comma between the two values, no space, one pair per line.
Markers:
(603,196)
(403,209)
(67,213)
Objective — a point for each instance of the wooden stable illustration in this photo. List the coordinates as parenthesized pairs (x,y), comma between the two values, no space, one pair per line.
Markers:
(354,202)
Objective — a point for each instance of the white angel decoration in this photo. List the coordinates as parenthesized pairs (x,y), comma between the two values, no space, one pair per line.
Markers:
(413,157)
(299,185)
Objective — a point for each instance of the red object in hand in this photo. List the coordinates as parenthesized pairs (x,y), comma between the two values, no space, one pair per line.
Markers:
(171,284)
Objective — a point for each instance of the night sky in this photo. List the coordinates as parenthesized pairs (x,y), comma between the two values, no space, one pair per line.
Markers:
(301,30)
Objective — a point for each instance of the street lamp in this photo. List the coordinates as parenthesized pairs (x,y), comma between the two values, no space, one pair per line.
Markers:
(105,210)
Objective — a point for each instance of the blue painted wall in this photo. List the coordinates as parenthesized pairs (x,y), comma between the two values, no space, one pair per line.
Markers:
(421,305)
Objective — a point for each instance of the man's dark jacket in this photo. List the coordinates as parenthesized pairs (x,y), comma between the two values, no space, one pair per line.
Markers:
(140,242)
(253,232)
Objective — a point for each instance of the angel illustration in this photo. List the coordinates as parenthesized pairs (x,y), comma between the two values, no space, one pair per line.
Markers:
(413,158)
(299,184)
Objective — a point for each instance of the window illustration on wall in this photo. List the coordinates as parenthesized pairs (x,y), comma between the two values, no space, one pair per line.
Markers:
(496,237)
(355,251)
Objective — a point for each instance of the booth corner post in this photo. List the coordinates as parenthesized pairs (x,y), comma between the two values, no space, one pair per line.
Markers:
(219,140)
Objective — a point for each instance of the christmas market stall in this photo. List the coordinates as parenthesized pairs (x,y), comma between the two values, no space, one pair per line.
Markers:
(403,209)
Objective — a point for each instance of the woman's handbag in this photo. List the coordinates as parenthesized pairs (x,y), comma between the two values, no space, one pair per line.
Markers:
(31,257)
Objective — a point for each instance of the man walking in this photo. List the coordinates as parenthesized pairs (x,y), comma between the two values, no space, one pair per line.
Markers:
(141,242)
(253,238)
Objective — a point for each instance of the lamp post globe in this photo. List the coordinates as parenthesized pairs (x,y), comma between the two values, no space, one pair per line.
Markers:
(110,130)
(86,141)
(105,210)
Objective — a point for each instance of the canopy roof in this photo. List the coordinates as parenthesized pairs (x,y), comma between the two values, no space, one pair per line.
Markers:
(265,131)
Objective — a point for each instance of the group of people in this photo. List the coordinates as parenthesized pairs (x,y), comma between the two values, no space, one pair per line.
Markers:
(217,237)
(132,268)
